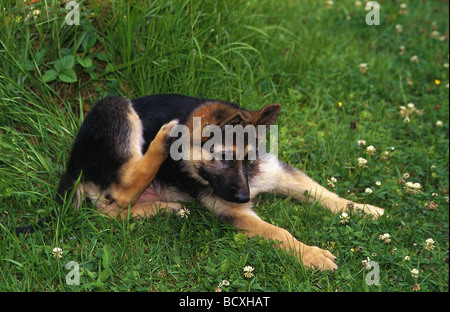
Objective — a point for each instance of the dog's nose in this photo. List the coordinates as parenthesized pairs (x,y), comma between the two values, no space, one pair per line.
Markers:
(242,197)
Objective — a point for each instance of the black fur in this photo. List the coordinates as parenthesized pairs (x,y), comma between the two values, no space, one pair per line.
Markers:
(101,146)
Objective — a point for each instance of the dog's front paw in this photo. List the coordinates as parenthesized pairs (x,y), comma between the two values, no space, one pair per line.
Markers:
(315,257)
(374,211)
(164,132)
(162,137)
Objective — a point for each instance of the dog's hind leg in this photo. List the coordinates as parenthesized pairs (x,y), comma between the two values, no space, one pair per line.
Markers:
(274,176)
(139,171)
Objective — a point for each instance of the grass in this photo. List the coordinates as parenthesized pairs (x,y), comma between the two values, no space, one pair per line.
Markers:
(304,55)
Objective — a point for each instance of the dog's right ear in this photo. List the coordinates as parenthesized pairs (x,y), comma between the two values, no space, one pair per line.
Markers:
(267,116)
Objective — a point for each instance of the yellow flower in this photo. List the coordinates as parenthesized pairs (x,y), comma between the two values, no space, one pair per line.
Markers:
(437,82)
(340,104)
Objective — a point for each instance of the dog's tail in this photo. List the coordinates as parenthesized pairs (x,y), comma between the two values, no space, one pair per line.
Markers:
(65,186)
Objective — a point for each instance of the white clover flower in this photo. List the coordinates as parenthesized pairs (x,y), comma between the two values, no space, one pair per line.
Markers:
(331,182)
(406,175)
(413,188)
(399,28)
(248,271)
(362,162)
(363,68)
(222,283)
(378,183)
(344,218)
(407,258)
(184,213)
(415,273)
(366,263)
(429,244)
(415,59)
(371,150)
(361,142)
(368,190)
(57,252)
(386,238)
(434,34)
(439,123)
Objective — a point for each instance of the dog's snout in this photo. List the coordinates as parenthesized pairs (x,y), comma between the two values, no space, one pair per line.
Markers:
(242,197)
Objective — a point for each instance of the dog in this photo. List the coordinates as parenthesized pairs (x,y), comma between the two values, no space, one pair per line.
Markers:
(120,161)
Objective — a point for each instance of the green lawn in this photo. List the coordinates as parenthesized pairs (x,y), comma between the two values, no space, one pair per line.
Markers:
(305,55)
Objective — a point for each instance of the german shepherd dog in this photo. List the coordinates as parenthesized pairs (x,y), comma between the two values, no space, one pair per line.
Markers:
(121,154)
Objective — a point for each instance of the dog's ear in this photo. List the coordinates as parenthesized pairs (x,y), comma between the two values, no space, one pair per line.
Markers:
(267,116)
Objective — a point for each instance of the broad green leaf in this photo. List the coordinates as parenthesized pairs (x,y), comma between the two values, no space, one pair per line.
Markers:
(67,75)
(85,62)
(66,62)
(50,75)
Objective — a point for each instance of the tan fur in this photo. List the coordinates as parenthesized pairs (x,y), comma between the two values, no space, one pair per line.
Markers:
(139,210)
(90,190)
(295,183)
(138,172)
(311,256)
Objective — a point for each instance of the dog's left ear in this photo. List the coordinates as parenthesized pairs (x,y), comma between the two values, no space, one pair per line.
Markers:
(267,116)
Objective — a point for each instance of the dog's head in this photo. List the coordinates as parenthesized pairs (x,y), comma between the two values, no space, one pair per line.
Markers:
(224,142)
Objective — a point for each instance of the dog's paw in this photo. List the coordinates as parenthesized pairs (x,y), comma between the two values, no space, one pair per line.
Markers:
(374,211)
(315,257)
(164,132)
(163,135)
